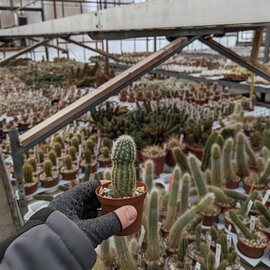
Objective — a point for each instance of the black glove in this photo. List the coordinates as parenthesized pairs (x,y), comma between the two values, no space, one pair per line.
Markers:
(80,204)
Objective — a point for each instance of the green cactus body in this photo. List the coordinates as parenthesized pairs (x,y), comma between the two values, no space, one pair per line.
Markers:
(263,210)
(48,168)
(185,193)
(43,197)
(87,173)
(220,141)
(251,155)
(232,256)
(207,150)
(164,202)
(211,261)
(133,247)
(188,267)
(227,165)
(52,158)
(107,174)
(125,259)
(266,138)
(216,173)
(68,162)
(265,178)
(172,204)
(105,250)
(152,266)
(123,170)
(198,234)
(72,152)
(40,155)
(243,209)
(241,158)
(87,156)
(182,249)
(90,146)
(28,173)
(223,265)
(58,139)
(222,240)
(237,222)
(33,163)
(214,232)
(57,149)
(265,153)
(188,216)
(75,143)
(198,176)
(149,174)
(235,195)
(180,159)
(265,222)
(153,250)
(219,193)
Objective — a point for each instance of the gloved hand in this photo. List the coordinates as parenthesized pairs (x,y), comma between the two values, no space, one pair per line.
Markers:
(80,204)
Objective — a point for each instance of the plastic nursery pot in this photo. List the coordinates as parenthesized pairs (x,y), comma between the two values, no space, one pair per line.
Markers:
(110,204)
(232,185)
(51,183)
(30,188)
(158,164)
(198,152)
(249,251)
(68,175)
(170,161)
(209,220)
(248,187)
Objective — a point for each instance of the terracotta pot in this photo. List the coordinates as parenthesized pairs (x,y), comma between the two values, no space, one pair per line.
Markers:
(69,175)
(110,204)
(139,156)
(198,152)
(105,163)
(209,220)
(158,164)
(251,252)
(131,100)
(170,161)
(28,190)
(49,184)
(232,185)
(123,99)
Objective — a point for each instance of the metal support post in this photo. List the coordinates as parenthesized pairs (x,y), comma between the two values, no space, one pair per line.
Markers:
(266,45)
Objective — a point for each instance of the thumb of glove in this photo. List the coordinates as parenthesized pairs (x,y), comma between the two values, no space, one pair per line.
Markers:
(100,228)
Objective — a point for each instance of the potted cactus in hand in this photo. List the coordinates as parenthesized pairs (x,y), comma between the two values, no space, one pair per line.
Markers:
(69,170)
(49,178)
(123,189)
(30,183)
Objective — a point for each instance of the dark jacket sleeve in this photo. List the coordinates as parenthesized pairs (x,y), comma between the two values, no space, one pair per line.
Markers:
(48,241)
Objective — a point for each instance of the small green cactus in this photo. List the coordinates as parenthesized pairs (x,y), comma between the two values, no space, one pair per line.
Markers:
(33,163)
(72,152)
(107,174)
(107,142)
(241,157)
(223,265)
(265,178)
(235,195)
(57,149)
(105,253)
(52,158)
(251,155)
(185,193)
(180,159)
(211,261)
(123,169)
(172,205)
(244,207)
(188,216)
(125,258)
(40,156)
(68,162)
(266,138)
(222,240)
(188,266)
(48,168)
(152,266)
(198,234)
(220,141)
(27,173)
(105,152)
(58,139)
(87,156)
(181,253)
(214,232)
(90,145)
(216,172)
(264,212)
(149,174)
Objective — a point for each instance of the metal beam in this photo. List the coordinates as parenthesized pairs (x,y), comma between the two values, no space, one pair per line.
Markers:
(153,16)
(23,51)
(256,44)
(52,46)
(267,45)
(99,51)
(46,128)
(255,68)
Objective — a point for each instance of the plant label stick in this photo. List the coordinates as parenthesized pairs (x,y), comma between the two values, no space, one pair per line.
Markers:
(250,203)
(181,138)
(209,240)
(252,223)
(266,197)
(229,240)
(141,236)
(228,268)
(218,252)
(198,266)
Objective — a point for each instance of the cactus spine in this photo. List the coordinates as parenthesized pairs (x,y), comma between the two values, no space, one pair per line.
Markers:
(227,165)
(48,168)
(216,173)
(172,204)
(152,252)
(185,193)
(265,178)
(149,174)
(125,259)
(123,170)
(198,176)
(27,173)
(188,216)
(241,159)
(244,230)
(180,159)
(235,195)
(207,150)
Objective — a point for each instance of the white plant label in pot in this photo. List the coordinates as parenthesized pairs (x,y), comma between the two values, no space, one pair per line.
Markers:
(229,240)
(198,266)
(141,237)
(209,240)
(266,197)
(218,252)
(252,223)
(181,138)
(250,203)
(228,268)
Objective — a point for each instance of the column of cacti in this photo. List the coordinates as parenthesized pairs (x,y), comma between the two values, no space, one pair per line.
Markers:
(149,174)
(123,170)
(187,217)
(242,169)
(172,203)
(216,172)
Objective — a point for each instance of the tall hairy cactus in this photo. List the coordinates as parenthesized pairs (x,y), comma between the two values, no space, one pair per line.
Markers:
(123,170)
(182,249)
(251,155)
(172,204)
(180,159)
(264,212)
(185,193)
(265,178)
(241,157)
(207,150)
(227,165)
(125,259)
(149,174)
(188,216)
(198,176)
(216,172)
(153,250)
